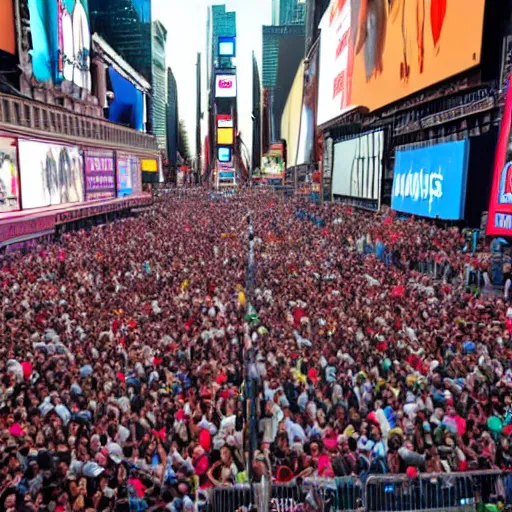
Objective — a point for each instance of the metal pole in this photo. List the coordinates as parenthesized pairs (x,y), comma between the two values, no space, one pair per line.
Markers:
(251,383)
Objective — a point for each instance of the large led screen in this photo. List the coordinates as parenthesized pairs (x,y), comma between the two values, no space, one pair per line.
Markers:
(50,174)
(124,175)
(431,181)
(357,169)
(499,220)
(7,33)
(9,190)
(99,175)
(373,53)
(135,169)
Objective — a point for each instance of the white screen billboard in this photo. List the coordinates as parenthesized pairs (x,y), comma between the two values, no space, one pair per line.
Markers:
(357,169)
(225,86)
(50,174)
(334,79)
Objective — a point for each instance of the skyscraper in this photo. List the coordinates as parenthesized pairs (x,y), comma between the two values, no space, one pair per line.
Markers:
(256,114)
(126,26)
(288,12)
(172,118)
(283,49)
(159,85)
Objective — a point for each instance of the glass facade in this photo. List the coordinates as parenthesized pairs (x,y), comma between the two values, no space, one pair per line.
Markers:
(159,85)
(126,26)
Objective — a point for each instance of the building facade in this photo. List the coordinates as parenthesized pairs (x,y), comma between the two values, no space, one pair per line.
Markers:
(172,119)
(159,85)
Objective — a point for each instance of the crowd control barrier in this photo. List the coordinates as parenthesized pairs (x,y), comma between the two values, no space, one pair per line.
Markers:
(429,492)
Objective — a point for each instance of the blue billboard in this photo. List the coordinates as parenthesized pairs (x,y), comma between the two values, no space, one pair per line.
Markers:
(431,181)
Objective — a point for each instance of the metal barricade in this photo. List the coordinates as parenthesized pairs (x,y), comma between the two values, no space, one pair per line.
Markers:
(342,494)
(430,492)
(440,492)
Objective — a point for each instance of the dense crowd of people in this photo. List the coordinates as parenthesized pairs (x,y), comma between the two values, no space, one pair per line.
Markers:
(122,355)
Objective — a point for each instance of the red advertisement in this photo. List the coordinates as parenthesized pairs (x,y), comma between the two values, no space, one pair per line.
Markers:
(499,222)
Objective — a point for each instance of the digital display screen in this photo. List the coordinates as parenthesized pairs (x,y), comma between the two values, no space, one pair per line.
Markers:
(227,47)
(224,154)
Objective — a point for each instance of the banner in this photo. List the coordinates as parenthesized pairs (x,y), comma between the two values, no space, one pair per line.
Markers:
(9,189)
(357,168)
(7,34)
(50,174)
(373,53)
(99,175)
(499,221)
(431,181)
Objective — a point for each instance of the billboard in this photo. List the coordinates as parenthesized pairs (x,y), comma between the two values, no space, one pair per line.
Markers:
(135,169)
(99,175)
(7,34)
(224,154)
(375,53)
(272,163)
(227,46)
(9,189)
(336,58)
(225,86)
(61,41)
(224,135)
(431,181)
(290,120)
(357,168)
(224,121)
(149,168)
(124,175)
(499,220)
(307,137)
(50,174)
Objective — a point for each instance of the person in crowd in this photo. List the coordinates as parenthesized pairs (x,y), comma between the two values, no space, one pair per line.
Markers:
(124,350)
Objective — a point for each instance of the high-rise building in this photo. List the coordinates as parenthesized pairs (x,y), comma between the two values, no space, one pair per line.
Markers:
(126,26)
(159,85)
(314,11)
(221,23)
(288,12)
(198,114)
(283,49)
(256,114)
(172,118)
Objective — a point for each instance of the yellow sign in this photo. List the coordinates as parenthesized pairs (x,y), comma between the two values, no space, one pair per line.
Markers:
(225,136)
(149,165)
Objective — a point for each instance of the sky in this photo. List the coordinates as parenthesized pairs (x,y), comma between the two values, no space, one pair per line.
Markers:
(186,25)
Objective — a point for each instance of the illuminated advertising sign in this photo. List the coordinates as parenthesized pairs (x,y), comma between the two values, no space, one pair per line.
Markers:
(376,53)
(225,86)
(227,46)
(99,175)
(7,34)
(499,220)
(50,174)
(431,181)
(149,170)
(357,168)
(224,135)
(224,154)
(124,175)
(61,41)
(9,189)
(224,121)
(272,163)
